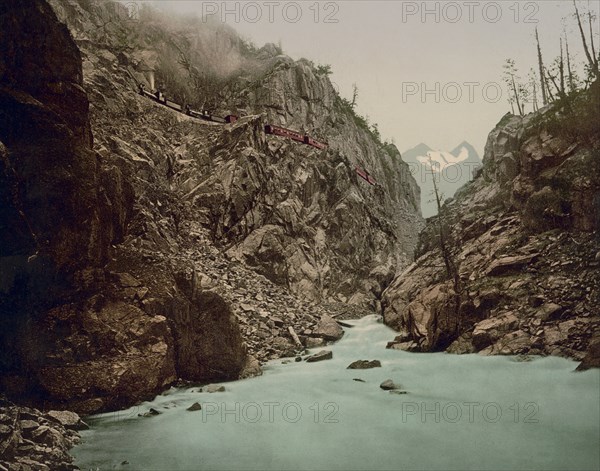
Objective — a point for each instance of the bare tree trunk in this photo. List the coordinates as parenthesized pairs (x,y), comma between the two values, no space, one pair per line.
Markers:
(557,86)
(591,60)
(541,69)
(516,92)
(354,95)
(561,69)
(449,262)
(548,90)
(570,72)
(441,233)
(592,38)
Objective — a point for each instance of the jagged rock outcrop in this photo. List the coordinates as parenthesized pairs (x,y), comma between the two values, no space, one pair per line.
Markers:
(524,236)
(57,217)
(318,227)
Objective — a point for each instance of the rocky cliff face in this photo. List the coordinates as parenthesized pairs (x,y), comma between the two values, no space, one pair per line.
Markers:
(300,217)
(524,238)
(58,217)
(317,227)
(125,257)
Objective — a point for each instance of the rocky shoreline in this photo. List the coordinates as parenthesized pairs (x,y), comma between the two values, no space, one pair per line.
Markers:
(32,440)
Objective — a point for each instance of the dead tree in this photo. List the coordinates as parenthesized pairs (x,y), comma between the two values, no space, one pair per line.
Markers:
(572,86)
(452,272)
(541,69)
(561,69)
(591,56)
(510,72)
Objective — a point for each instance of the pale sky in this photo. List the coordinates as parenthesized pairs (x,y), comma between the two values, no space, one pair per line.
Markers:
(394,54)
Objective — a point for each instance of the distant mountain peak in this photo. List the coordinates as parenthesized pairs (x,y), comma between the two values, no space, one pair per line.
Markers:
(453,169)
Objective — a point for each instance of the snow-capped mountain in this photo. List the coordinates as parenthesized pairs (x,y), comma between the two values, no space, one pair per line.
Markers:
(451,169)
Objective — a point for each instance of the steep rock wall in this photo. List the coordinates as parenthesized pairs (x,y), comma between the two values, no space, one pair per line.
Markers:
(300,217)
(524,238)
(324,231)
(74,331)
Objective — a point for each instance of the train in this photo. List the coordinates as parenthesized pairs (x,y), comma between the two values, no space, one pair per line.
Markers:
(231,118)
(204,114)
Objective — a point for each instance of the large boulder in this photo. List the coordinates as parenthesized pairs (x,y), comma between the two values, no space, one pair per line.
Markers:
(208,341)
(320,356)
(592,357)
(328,329)
(364,364)
(113,356)
(67,419)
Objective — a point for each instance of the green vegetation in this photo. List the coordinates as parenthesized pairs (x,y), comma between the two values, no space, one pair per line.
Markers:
(324,70)
(577,114)
(574,116)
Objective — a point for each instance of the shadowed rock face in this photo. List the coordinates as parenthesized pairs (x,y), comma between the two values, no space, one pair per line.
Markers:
(52,205)
(57,219)
(39,58)
(524,236)
(74,333)
(208,342)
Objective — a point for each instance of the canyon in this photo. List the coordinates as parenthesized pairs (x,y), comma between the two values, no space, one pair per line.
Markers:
(143,249)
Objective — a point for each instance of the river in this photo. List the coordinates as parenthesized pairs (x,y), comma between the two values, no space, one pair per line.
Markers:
(460,412)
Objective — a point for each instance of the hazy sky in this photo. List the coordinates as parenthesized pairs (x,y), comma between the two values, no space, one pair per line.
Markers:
(397,50)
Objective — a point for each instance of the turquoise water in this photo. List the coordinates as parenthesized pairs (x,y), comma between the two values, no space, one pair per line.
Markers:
(460,412)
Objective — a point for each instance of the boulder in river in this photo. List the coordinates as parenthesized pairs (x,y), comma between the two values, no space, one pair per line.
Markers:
(364,364)
(213,388)
(251,368)
(152,412)
(592,358)
(328,328)
(194,407)
(313,342)
(389,385)
(322,355)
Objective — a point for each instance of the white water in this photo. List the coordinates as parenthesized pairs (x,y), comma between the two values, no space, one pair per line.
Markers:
(359,426)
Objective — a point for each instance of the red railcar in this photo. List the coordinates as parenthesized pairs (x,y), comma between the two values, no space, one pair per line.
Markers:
(283,132)
(295,136)
(365,175)
(312,142)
